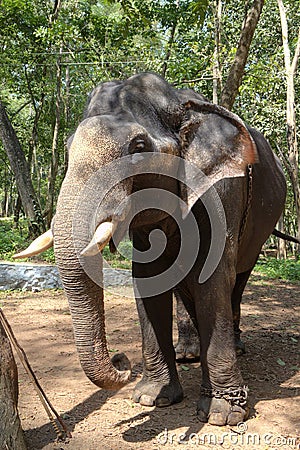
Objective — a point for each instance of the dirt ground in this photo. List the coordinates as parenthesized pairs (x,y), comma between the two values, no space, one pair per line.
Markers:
(100,419)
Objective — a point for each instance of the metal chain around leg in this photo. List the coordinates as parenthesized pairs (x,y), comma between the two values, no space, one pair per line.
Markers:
(235,396)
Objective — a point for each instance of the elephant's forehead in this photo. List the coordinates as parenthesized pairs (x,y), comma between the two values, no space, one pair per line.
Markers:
(98,141)
(93,140)
(107,131)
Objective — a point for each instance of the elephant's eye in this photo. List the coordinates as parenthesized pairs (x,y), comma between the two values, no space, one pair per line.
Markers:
(137,145)
(140,145)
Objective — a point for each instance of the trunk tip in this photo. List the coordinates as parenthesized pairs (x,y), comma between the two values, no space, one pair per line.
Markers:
(116,375)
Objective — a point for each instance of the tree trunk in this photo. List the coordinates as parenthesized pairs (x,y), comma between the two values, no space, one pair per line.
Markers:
(67,117)
(235,76)
(291,134)
(54,161)
(11,434)
(169,48)
(217,77)
(17,210)
(21,172)
(281,252)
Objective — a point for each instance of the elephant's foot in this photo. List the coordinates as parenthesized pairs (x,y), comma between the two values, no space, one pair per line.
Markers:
(150,393)
(188,346)
(188,350)
(223,407)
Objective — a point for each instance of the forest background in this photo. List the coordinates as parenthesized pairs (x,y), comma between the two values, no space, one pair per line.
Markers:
(53,53)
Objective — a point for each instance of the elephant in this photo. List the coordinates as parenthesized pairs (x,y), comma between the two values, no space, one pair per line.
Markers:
(190,183)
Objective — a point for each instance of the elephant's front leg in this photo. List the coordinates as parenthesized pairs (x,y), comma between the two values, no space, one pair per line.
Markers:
(223,394)
(160,385)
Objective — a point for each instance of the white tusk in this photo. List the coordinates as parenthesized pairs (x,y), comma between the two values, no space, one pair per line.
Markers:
(38,246)
(101,237)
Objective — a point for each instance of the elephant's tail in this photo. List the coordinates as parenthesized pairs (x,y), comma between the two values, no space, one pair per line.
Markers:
(284,236)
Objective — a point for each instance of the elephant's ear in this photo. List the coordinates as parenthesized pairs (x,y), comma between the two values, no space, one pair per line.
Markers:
(215,144)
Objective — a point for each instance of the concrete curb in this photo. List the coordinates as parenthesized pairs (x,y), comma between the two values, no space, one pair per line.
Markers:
(36,277)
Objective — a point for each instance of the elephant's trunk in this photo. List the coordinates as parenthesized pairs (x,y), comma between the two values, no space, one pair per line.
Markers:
(85,298)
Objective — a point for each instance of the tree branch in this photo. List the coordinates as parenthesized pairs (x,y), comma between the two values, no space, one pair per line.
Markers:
(296,55)
(21,107)
(285,160)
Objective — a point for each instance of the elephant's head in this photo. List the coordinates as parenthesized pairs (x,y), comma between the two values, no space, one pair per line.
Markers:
(123,120)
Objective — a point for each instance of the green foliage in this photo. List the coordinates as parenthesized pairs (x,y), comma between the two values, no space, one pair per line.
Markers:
(279,269)
(13,240)
(122,258)
(97,40)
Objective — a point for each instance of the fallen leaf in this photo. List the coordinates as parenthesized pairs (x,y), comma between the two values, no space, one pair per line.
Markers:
(186,368)
(280,362)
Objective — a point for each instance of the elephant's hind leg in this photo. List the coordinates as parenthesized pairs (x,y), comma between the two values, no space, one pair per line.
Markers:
(236,298)
(187,348)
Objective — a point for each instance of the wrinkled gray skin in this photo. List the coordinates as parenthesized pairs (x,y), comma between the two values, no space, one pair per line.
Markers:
(187,348)
(141,114)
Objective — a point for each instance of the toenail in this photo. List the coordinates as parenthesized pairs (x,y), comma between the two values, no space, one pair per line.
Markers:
(146,400)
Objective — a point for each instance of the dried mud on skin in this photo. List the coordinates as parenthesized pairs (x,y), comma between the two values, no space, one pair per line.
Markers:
(110,420)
